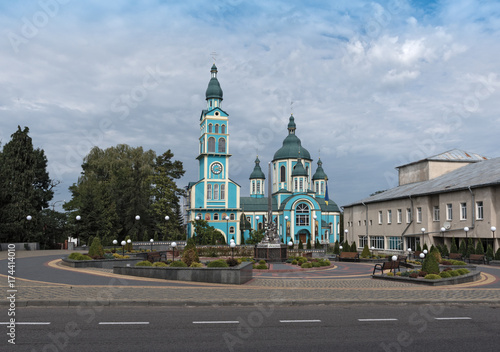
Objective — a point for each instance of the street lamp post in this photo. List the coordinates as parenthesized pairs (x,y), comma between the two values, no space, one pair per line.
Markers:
(373,249)
(493,229)
(78,218)
(166,229)
(151,241)
(346,231)
(173,244)
(315,233)
(466,229)
(232,245)
(257,218)
(409,252)
(423,235)
(394,258)
(123,243)
(227,225)
(443,229)
(114,245)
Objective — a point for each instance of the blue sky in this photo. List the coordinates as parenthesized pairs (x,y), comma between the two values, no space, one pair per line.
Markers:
(374,84)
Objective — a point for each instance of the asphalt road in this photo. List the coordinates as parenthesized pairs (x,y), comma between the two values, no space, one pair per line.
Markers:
(267,328)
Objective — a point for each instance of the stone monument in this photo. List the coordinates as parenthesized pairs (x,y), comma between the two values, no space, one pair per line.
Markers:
(270,248)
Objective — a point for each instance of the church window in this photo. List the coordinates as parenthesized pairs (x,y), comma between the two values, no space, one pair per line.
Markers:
(258,187)
(301,184)
(222,145)
(209,191)
(211,145)
(216,192)
(231,229)
(201,147)
(317,187)
(283,174)
(231,217)
(302,215)
(210,128)
(223,129)
(322,187)
(222,191)
(216,216)
(253,187)
(295,184)
(216,128)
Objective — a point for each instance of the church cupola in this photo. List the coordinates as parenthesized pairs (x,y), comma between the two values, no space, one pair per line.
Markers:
(214,91)
(319,179)
(257,179)
(299,177)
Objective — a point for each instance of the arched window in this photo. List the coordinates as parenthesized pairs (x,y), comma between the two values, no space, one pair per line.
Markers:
(317,186)
(211,145)
(301,184)
(222,191)
(223,129)
(258,187)
(253,187)
(283,174)
(231,229)
(302,215)
(210,128)
(231,216)
(222,145)
(216,216)
(216,191)
(322,187)
(216,128)
(209,191)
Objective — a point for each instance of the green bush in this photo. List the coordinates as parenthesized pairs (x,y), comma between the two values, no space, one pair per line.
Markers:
(497,254)
(295,262)
(444,274)
(261,266)
(463,271)
(366,252)
(316,264)
(453,272)
(390,274)
(306,265)
(75,256)
(179,264)
(144,263)
(218,264)
(457,262)
(232,262)
(302,260)
(96,249)
(262,261)
(414,275)
(432,277)
(108,256)
(431,264)
(190,256)
(326,263)
(160,265)
(196,265)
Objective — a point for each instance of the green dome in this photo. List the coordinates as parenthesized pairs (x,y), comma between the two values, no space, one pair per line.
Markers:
(319,174)
(292,148)
(298,169)
(257,171)
(214,90)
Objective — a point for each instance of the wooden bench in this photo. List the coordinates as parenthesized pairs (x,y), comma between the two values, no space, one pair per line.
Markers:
(402,258)
(391,265)
(478,258)
(156,256)
(349,256)
(455,256)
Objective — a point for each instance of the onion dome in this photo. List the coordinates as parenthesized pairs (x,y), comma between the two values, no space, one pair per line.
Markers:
(298,169)
(214,90)
(257,171)
(320,173)
(292,148)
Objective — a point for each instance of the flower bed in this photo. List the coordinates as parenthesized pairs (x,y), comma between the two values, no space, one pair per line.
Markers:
(445,277)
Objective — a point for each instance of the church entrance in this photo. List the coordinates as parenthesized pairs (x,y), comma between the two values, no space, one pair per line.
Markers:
(303,235)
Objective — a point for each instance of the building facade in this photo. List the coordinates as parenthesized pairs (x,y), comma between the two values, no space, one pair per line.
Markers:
(301,207)
(449,196)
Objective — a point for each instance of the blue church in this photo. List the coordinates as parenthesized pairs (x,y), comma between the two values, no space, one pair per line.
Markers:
(300,205)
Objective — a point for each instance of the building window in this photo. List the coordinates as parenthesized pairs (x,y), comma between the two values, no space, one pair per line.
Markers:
(371,223)
(216,128)
(322,188)
(222,145)
(389,216)
(380,217)
(359,222)
(211,145)
(363,241)
(223,129)
(419,214)
(408,215)
(282,174)
(302,215)
(301,184)
(222,191)
(395,243)
(216,216)
(449,211)
(479,212)
(253,187)
(377,242)
(435,213)
(317,187)
(210,128)
(231,216)
(258,187)
(463,211)
(295,184)
(400,216)
(216,192)
(231,229)
(209,191)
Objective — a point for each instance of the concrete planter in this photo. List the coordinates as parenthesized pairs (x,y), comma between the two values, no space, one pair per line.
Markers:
(470,277)
(100,263)
(236,275)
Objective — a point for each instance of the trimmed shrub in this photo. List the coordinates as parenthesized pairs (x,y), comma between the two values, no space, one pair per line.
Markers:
(354,247)
(479,247)
(308,244)
(75,256)
(431,264)
(390,274)
(444,274)
(232,262)
(262,261)
(414,275)
(261,266)
(444,250)
(419,249)
(435,252)
(422,273)
(398,273)
(160,265)
(326,263)
(457,262)
(178,264)
(301,245)
(144,263)
(470,248)
(463,271)
(190,256)
(366,252)
(221,263)
(196,265)
(294,262)
(432,277)
(302,260)
(306,265)
(96,249)
(316,264)
(453,272)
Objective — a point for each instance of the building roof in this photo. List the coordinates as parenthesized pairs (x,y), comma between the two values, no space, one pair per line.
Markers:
(214,91)
(257,171)
(455,155)
(250,204)
(292,147)
(298,169)
(478,174)
(320,173)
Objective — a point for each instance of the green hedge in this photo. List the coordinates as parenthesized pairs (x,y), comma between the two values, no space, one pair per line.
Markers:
(144,263)
(218,264)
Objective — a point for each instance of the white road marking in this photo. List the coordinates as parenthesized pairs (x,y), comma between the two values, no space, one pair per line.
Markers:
(217,322)
(28,323)
(454,318)
(124,323)
(300,321)
(387,319)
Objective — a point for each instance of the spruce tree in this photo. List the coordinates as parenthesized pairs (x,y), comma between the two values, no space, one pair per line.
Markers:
(336,247)
(301,245)
(366,252)
(463,248)
(497,254)
(479,247)
(470,248)
(308,245)
(354,247)
(96,249)
(453,248)
(419,248)
(430,264)
(489,251)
